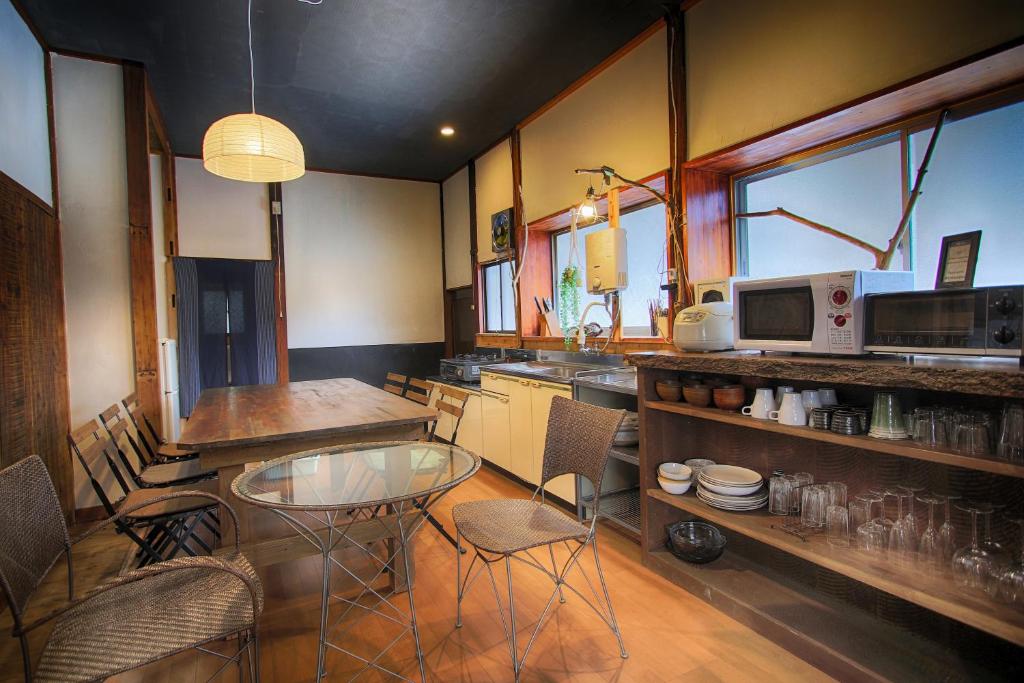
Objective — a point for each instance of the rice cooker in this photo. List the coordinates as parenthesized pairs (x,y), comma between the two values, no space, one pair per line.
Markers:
(704,327)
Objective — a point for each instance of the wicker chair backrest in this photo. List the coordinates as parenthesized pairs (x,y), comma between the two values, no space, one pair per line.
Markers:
(33,534)
(578,439)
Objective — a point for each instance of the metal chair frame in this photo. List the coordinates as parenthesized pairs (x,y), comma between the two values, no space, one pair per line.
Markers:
(152,442)
(456,411)
(158,537)
(603,609)
(248,638)
(117,426)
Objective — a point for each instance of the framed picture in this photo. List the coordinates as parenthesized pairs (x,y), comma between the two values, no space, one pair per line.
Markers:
(502,235)
(958,260)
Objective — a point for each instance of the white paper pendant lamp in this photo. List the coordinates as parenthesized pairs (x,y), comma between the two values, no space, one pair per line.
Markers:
(252,148)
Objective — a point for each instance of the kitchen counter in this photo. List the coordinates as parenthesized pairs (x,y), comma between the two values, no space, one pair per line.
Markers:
(1000,377)
(468,386)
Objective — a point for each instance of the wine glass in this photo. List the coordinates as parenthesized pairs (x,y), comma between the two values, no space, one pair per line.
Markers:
(902,540)
(1009,581)
(972,564)
(930,546)
(911,517)
(947,533)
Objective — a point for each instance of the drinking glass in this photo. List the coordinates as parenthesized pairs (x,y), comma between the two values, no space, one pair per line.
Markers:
(972,435)
(1011,436)
(972,564)
(930,427)
(838,526)
(836,493)
(930,547)
(813,504)
(1009,581)
(872,535)
(911,517)
(780,489)
(860,512)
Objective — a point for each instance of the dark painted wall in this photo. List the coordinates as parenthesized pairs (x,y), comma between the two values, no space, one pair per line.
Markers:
(366,363)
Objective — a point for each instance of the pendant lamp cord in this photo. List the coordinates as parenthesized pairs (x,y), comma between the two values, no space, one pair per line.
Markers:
(252,70)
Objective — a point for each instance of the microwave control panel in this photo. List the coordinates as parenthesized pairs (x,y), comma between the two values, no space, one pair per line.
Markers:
(840,314)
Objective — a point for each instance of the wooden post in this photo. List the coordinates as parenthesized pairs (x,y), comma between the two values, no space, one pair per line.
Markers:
(676,187)
(140,243)
(280,303)
(518,230)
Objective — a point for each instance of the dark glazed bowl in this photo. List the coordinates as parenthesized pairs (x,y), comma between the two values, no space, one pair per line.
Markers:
(696,542)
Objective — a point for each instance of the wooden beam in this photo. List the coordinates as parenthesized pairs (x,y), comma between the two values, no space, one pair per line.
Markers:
(474,248)
(448,313)
(676,37)
(140,243)
(280,300)
(518,229)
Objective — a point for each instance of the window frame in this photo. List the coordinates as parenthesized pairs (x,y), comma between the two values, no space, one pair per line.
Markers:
(901,130)
(638,206)
(483,288)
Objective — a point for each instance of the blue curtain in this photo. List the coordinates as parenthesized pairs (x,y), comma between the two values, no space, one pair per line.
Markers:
(226,329)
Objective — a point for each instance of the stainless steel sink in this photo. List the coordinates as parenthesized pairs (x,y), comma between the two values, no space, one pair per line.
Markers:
(550,370)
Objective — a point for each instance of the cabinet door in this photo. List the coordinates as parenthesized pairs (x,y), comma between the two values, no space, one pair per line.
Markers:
(564,486)
(521,426)
(469,435)
(495,420)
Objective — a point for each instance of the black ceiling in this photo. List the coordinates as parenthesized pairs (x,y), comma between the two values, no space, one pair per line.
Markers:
(365,84)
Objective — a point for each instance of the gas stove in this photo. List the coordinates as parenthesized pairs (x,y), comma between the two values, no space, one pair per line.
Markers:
(466,366)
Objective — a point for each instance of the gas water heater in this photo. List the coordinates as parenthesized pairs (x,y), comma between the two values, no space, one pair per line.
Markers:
(606,261)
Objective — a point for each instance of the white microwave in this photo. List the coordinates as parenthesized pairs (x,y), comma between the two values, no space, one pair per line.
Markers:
(821,313)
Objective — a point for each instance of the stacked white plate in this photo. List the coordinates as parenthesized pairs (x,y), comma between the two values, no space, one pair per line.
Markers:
(629,430)
(728,487)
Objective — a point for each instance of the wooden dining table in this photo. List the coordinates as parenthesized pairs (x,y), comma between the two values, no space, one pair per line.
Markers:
(232,427)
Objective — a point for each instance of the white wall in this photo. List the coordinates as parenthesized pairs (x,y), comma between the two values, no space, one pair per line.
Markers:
(493,193)
(363,261)
(457,260)
(220,218)
(753,66)
(24,129)
(89,113)
(619,118)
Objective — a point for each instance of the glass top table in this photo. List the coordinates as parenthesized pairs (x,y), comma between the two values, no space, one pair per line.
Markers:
(360,505)
(355,476)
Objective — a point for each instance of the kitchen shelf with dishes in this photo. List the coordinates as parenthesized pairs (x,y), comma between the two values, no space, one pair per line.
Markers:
(932,611)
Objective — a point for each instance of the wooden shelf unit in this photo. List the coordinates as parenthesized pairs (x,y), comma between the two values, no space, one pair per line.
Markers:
(935,592)
(901,448)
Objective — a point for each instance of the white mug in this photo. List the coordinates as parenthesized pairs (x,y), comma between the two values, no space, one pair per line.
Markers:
(764,403)
(780,392)
(828,397)
(811,399)
(791,412)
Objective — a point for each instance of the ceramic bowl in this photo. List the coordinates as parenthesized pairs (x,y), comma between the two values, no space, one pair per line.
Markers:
(697,464)
(673,486)
(730,397)
(674,470)
(668,390)
(699,395)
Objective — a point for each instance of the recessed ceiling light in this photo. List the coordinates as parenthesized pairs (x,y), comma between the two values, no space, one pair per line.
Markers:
(447,131)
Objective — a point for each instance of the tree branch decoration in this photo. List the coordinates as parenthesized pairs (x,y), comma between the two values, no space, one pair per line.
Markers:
(883,258)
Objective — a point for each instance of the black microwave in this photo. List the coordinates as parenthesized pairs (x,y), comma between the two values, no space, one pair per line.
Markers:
(980,321)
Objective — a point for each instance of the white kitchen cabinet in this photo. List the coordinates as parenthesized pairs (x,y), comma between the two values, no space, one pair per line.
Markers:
(470,434)
(541,395)
(520,409)
(496,437)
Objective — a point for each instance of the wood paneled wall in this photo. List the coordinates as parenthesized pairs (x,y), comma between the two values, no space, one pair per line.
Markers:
(33,351)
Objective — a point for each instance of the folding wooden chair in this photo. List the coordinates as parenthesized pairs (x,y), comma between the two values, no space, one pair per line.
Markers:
(395,383)
(419,391)
(159,450)
(144,471)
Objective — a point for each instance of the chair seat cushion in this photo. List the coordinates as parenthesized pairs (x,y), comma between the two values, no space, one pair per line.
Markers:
(174,471)
(511,525)
(173,506)
(140,622)
(170,450)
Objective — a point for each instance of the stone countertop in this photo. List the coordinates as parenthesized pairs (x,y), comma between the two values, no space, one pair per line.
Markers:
(1000,377)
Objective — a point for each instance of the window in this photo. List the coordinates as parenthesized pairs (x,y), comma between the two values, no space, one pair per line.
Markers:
(645,249)
(975,181)
(499,299)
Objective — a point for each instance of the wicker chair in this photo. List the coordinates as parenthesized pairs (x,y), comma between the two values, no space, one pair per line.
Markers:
(158,449)
(578,439)
(180,604)
(161,530)
(151,473)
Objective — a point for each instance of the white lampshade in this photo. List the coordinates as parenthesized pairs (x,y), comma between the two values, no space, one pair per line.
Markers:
(253,148)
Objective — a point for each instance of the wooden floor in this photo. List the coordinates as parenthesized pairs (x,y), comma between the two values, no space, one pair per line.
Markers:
(670,635)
